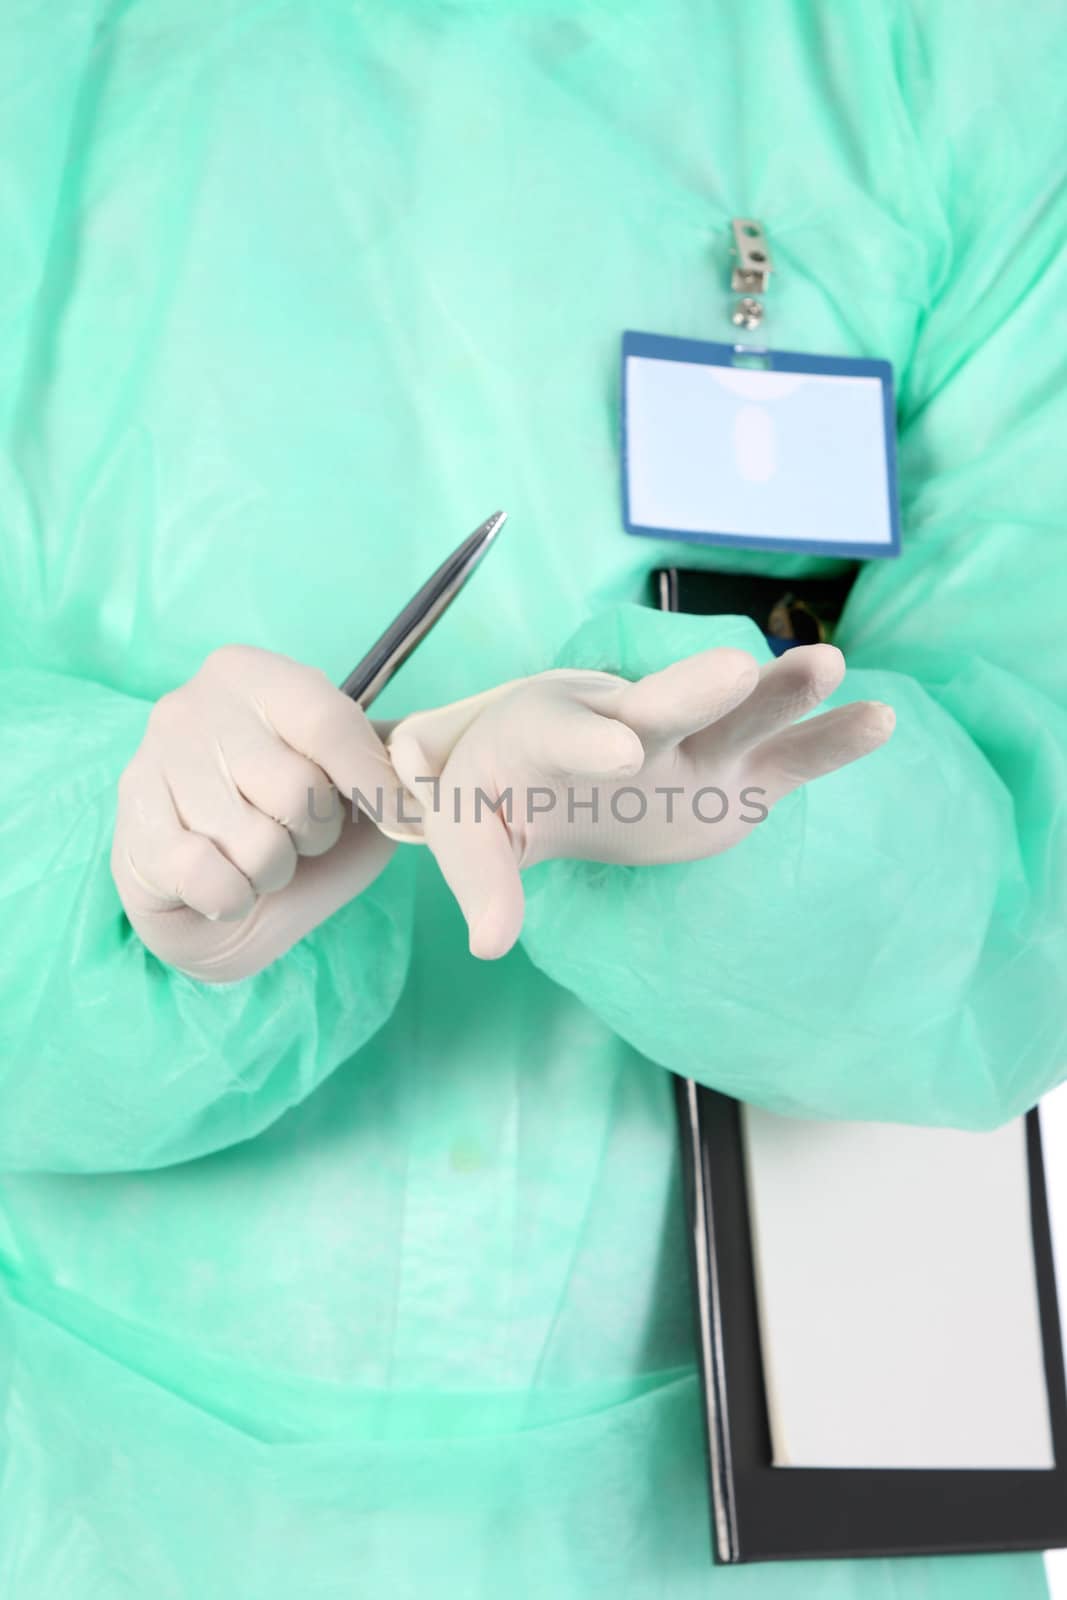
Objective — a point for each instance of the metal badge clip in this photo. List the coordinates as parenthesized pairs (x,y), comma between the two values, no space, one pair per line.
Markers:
(752,267)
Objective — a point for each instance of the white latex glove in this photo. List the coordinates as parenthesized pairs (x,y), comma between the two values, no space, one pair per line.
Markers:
(671,750)
(220,862)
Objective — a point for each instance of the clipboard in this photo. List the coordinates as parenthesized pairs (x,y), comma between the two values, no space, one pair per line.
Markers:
(766,1512)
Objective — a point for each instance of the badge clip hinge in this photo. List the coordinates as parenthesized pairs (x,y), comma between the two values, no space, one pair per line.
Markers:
(752,267)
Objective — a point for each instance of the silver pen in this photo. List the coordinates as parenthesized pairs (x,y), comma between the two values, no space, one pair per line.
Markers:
(370,677)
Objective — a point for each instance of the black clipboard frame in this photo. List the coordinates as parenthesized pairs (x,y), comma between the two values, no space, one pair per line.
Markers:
(765,1513)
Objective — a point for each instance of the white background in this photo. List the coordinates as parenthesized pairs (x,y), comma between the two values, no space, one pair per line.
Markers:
(1054,1138)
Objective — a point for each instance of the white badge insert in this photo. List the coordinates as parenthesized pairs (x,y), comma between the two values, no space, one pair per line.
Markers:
(723,444)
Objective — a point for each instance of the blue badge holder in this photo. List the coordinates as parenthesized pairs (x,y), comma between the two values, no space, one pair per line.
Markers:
(732,445)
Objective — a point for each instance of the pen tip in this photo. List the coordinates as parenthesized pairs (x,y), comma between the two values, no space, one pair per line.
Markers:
(484,535)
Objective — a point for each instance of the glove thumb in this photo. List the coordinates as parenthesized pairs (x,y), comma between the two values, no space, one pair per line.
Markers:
(473,849)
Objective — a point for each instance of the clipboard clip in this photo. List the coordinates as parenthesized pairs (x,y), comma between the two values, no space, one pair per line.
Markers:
(752,268)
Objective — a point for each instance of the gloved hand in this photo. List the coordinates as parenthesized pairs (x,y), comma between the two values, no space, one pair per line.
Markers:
(220,861)
(679,765)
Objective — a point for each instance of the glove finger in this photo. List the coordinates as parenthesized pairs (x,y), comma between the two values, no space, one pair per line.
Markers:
(289,788)
(788,688)
(552,733)
(821,745)
(473,849)
(323,885)
(436,732)
(159,866)
(668,706)
(209,803)
(310,714)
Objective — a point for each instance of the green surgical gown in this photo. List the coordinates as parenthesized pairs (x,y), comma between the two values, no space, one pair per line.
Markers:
(367,1276)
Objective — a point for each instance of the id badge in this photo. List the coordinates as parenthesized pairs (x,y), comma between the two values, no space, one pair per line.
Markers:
(763,449)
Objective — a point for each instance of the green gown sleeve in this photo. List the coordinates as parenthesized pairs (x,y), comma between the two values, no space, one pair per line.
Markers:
(108,1058)
(891,943)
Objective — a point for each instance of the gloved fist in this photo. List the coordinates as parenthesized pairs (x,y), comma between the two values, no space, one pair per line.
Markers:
(679,765)
(235,835)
